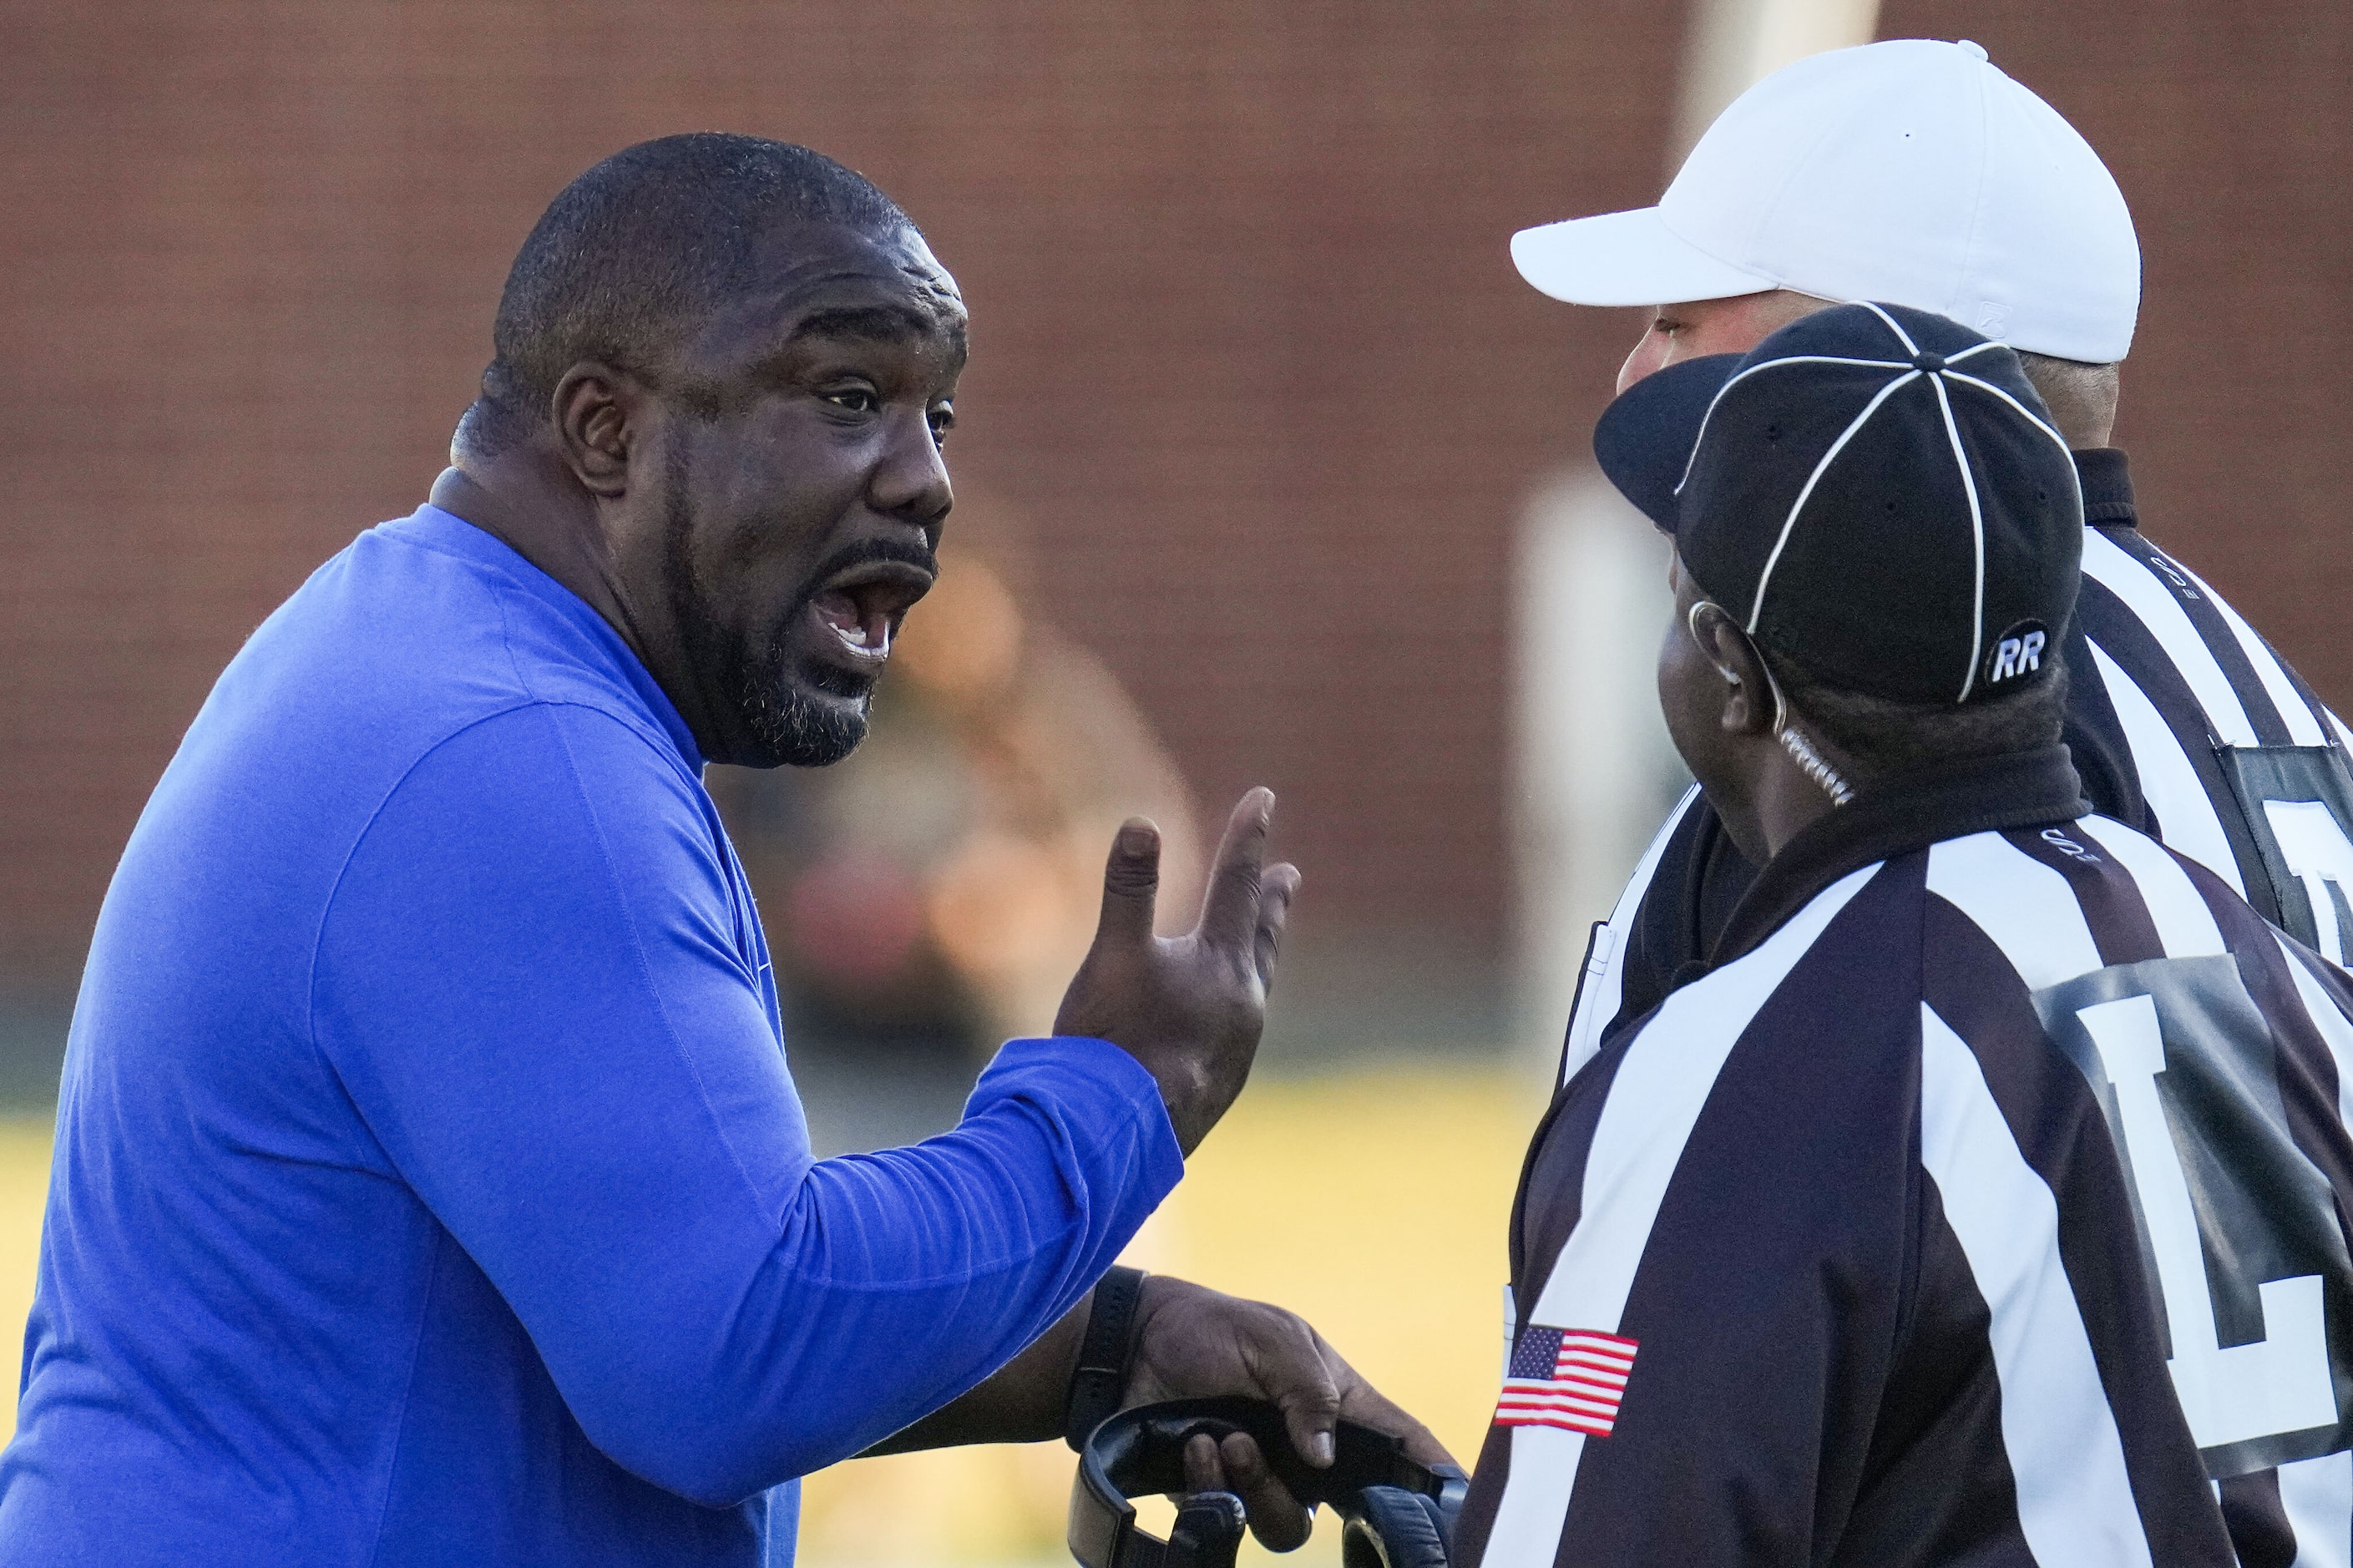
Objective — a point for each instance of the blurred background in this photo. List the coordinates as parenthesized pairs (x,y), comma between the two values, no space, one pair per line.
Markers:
(1271,471)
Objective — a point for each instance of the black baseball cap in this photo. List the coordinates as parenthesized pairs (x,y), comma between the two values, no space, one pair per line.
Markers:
(1875,493)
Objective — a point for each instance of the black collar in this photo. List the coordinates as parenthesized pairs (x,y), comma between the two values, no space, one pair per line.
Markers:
(1894,815)
(2108,487)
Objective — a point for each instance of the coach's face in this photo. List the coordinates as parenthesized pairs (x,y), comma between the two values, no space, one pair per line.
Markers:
(797,489)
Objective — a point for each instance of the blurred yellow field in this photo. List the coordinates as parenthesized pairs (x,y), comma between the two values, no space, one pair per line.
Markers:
(24,1186)
(1374,1202)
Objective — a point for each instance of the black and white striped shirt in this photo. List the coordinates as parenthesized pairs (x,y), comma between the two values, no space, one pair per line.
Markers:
(1983,1198)
(2182,721)
(2186,724)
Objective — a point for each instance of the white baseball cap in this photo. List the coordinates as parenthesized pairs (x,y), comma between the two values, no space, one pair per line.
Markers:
(1911,171)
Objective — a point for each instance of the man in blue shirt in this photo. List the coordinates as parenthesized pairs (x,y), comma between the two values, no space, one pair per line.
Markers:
(430,1187)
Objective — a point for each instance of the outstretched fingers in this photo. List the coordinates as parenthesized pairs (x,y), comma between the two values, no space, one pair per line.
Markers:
(1131,885)
(1229,907)
(1280,885)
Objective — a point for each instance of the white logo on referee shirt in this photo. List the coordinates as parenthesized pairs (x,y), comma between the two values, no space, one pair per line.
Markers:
(2278,1383)
(2318,855)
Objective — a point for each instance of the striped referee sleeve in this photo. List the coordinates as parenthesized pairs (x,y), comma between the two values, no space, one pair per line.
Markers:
(2234,760)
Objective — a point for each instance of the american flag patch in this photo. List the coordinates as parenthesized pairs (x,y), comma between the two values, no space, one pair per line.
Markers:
(1572,1378)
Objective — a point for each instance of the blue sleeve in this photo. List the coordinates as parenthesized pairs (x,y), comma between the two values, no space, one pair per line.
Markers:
(530,983)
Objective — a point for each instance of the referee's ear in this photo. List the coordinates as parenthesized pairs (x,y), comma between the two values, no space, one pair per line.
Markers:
(1748,699)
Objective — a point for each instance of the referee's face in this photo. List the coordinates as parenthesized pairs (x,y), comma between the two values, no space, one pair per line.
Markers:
(802,488)
(1672,333)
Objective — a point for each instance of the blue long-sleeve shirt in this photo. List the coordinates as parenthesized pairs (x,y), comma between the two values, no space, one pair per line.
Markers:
(430,1186)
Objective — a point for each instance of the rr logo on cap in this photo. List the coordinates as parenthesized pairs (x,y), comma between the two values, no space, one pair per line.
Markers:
(2017,654)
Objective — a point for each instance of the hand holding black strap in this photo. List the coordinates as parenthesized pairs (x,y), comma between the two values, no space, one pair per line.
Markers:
(1398,1512)
(1100,1376)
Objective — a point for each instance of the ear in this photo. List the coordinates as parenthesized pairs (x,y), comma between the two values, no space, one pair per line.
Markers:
(1749,708)
(596,412)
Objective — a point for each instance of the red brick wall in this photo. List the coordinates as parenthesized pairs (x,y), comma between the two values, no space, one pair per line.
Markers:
(1250,358)
(1249,355)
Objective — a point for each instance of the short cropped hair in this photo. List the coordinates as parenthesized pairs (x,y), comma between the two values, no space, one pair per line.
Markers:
(2080,396)
(634,254)
(1886,737)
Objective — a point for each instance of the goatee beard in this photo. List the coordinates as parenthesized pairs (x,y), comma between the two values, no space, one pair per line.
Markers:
(788,727)
(791,727)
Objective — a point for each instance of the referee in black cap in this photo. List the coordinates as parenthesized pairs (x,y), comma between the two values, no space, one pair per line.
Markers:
(1988,1168)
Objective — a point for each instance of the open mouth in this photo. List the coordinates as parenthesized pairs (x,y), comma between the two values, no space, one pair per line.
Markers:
(858,610)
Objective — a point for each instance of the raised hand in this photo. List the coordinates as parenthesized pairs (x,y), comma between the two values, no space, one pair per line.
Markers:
(1190,1008)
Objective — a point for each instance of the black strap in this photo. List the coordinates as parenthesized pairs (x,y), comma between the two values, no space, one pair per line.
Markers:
(1141,1451)
(1100,1376)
